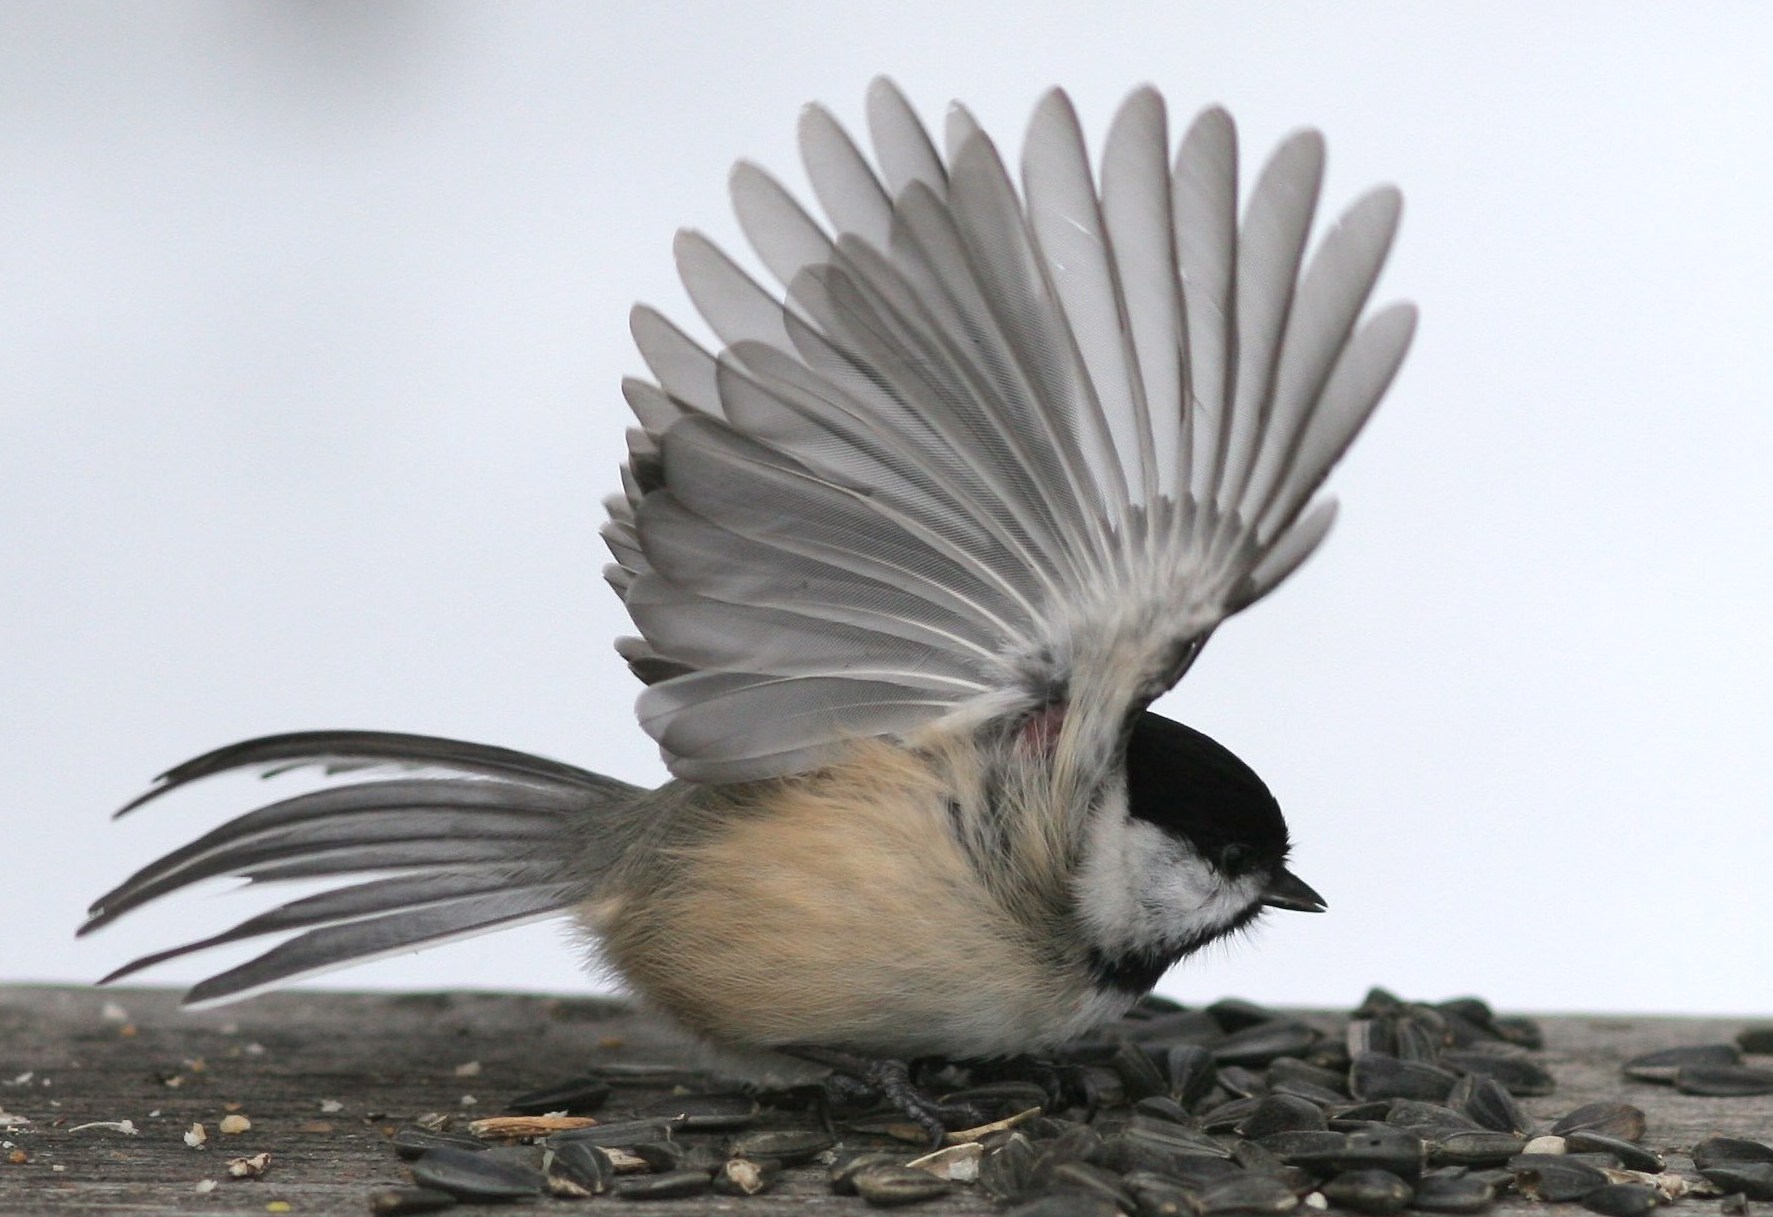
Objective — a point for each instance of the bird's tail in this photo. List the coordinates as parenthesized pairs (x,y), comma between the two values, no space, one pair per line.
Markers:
(488,838)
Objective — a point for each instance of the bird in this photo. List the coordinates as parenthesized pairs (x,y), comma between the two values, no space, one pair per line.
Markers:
(911,549)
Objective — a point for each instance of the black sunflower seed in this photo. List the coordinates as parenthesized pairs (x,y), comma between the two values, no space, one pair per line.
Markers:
(411,1141)
(1191,1071)
(843,1172)
(1246,1193)
(790,1147)
(1518,1075)
(1281,1113)
(1158,1196)
(1553,1179)
(667,1186)
(1090,1179)
(1622,1200)
(1609,1119)
(1752,1179)
(1368,1191)
(1757,1039)
(1522,1031)
(1414,1113)
(707,1112)
(1067,1204)
(1233,1014)
(575,1096)
(1181,1027)
(1724,1081)
(618,1135)
(1005,1173)
(1664,1065)
(475,1176)
(891,1186)
(1489,1104)
(1632,1157)
(1478,1147)
(578,1169)
(1374,1076)
(1265,1042)
(1714,1151)
(1454,1194)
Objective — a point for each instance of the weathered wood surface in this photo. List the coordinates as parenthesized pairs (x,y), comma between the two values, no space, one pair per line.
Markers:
(284,1059)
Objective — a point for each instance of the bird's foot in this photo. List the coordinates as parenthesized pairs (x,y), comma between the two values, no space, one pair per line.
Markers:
(858,1080)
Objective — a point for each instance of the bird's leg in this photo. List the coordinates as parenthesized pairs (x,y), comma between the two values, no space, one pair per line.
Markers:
(856,1079)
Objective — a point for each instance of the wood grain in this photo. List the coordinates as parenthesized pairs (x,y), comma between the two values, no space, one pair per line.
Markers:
(283,1060)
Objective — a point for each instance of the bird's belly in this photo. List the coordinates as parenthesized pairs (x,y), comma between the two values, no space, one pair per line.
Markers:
(861,926)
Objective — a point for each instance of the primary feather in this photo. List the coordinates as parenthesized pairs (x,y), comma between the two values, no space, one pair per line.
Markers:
(989,444)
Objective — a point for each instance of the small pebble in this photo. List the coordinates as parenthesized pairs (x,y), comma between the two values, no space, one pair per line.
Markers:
(408,1201)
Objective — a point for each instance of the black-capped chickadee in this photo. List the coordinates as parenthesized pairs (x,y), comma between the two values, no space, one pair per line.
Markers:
(909,558)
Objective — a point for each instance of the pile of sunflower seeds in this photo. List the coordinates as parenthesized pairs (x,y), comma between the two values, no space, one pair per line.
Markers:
(1228,1110)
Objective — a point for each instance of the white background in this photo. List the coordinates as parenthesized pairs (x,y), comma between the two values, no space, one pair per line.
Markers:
(311,323)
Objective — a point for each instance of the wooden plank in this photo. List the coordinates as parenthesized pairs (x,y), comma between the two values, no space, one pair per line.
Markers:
(284,1060)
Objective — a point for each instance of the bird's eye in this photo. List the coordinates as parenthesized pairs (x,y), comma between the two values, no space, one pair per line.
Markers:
(1234,859)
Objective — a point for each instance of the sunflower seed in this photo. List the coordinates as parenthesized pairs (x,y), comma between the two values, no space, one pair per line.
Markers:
(1758,1039)
(1191,1072)
(1664,1065)
(743,1177)
(1488,1103)
(575,1096)
(1180,1027)
(1227,1116)
(1067,1204)
(1752,1179)
(1233,1014)
(1556,1179)
(1724,1081)
(1157,1196)
(1609,1119)
(1178,1138)
(1090,1179)
(1518,1075)
(408,1201)
(1622,1200)
(706,1112)
(578,1169)
(1370,1035)
(1414,1113)
(619,1134)
(475,1176)
(1631,1156)
(790,1147)
(1480,1147)
(1376,1147)
(1002,1098)
(1281,1113)
(1243,1081)
(411,1141)
(1004,1172)
(1714,1151)
(843,1172)
(1454,1194)
(1264,1042)
(1368,1191)
(1374,1076)
(667,1186)
(891,1186)
(1246,1193)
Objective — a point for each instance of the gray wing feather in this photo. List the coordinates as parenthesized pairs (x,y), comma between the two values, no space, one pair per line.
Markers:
(988,448)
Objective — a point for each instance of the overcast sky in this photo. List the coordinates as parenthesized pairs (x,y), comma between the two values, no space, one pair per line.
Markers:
(312,318)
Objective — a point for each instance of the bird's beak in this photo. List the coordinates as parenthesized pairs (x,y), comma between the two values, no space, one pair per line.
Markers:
(1288,891)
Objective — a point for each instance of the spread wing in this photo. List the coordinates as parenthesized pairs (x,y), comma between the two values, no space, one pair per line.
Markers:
(994,450)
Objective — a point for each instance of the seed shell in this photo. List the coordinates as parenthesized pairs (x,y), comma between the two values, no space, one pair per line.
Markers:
(577,1169)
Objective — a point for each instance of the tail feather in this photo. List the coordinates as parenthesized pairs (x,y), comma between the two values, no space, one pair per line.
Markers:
(344,751)
(355,942)
(498,842)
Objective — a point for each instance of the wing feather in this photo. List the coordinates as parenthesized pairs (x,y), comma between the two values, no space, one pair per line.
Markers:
(989,449)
